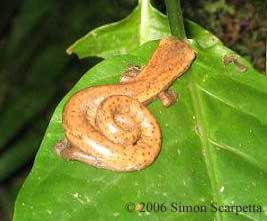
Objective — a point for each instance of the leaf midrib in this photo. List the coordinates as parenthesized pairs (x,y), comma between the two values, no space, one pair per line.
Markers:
(206,150)
(144,20)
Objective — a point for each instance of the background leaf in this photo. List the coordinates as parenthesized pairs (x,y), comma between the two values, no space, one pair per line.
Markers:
(203,157)
(144,24)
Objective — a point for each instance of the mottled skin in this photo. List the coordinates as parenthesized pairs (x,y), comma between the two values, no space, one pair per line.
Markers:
(109,126)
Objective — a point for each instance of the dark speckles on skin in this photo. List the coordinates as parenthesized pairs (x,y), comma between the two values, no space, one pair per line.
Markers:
(164,66)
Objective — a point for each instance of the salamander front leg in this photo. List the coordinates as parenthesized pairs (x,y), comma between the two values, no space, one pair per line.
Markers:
(129,74)
(167,97)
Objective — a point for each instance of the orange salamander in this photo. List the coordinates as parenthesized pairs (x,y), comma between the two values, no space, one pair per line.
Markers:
(110,127)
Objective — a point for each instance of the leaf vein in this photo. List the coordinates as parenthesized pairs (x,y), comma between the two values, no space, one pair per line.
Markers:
(239,153)
(229,104)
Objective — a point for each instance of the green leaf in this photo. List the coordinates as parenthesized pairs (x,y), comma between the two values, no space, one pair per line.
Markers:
(142,25)
(214,147)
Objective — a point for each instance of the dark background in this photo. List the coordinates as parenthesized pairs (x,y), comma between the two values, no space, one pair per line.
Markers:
(35,72)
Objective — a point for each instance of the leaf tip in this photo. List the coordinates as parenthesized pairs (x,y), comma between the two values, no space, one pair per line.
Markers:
(69,50)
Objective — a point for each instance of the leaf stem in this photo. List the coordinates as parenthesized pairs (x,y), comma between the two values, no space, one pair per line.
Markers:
(175,17)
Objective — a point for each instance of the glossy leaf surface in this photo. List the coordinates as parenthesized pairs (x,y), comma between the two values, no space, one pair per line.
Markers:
(214,147)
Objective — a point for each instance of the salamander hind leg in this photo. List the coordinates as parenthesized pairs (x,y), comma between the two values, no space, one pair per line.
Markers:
(61,146)
(66,151)
(167,97)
